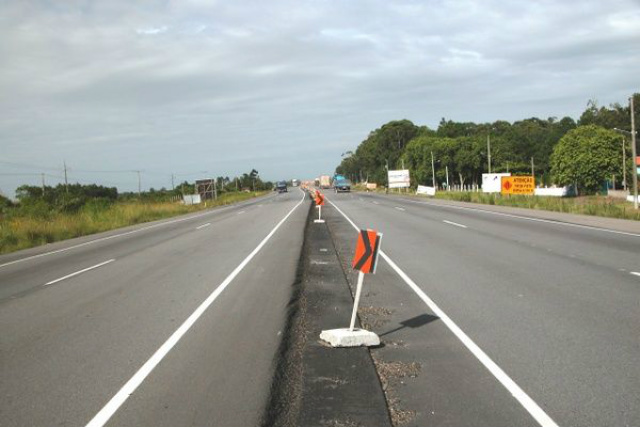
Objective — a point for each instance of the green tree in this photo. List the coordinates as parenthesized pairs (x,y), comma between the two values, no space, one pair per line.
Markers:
(586,156)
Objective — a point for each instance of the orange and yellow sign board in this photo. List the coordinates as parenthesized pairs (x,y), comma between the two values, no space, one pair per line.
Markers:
(518,185)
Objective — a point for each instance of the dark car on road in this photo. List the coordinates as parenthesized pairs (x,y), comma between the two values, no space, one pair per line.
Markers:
(281,186)
(342,185)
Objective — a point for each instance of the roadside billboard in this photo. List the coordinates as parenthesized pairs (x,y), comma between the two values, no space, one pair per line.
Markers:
(491,182)
(399,178)
(518,185)
(191,199)
(429,191)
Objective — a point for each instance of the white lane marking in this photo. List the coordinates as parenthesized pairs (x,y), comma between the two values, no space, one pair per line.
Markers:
(101,239)
(79,272)
(454,223)
(200,227)
(529,404)
(375,203)
(103,416)
(635,273)
(568,224)
(241,212)
(399,208)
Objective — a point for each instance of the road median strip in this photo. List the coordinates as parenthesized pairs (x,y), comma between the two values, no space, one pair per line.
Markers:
(318,384)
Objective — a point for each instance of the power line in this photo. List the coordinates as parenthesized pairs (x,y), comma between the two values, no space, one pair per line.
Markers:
(24,165)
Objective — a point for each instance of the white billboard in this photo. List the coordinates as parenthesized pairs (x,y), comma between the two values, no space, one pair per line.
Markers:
(492,182)
(191,199)
(429,191)
(399,178)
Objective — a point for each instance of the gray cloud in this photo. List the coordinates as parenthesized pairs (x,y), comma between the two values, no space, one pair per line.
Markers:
(285,87)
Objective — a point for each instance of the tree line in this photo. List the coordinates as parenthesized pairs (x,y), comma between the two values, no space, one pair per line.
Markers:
(560,151)
(44,201)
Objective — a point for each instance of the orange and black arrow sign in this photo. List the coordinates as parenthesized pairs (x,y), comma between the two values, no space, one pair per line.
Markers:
(319,199)
(367,249)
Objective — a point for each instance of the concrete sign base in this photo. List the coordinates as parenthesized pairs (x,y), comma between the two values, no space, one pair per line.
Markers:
(319,221)
(347,338)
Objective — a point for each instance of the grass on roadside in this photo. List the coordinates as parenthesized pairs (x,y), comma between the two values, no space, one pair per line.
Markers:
(21,232)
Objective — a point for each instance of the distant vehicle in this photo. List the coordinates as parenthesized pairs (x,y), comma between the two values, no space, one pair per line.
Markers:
(325,181)
(342,185)
(295,182)
(281,186)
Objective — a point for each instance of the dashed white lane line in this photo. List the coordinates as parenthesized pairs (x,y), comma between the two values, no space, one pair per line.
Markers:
(399,208)
(454,223)
(79,272)
(103,416)
(523,398)
(635,273)
(526,218)
(375,203)
(200,227)
(241,212)
(138,230)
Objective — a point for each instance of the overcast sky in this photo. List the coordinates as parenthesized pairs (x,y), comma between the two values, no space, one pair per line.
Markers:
(284,87)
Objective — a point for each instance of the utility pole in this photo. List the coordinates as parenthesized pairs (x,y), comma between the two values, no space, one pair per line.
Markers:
(624,166)
(507,166)
(433,171)
(66,182)
(42,184)
(386,166)
(533,174)
(173,186)
(489,149)
(236,184)
(139,184)
(634,154)
(447,169)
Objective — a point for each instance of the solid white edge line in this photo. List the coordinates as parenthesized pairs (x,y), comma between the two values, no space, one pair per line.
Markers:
(103,416)
(200,227)
(79,272)
(550,221)
(635,273)
(101,239)
(523,398)
(454,223)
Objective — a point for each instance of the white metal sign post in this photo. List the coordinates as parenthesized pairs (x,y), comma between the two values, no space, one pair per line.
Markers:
(356,302)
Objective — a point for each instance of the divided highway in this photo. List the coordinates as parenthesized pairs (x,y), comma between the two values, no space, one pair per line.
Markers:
(520,321)
(546,312)
(173,323)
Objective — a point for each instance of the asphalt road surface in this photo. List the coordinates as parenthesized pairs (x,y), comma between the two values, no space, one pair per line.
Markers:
(520,321)
(177,322)
(174,323)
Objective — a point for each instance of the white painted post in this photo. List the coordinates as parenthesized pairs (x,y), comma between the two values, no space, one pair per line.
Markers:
(357,300)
